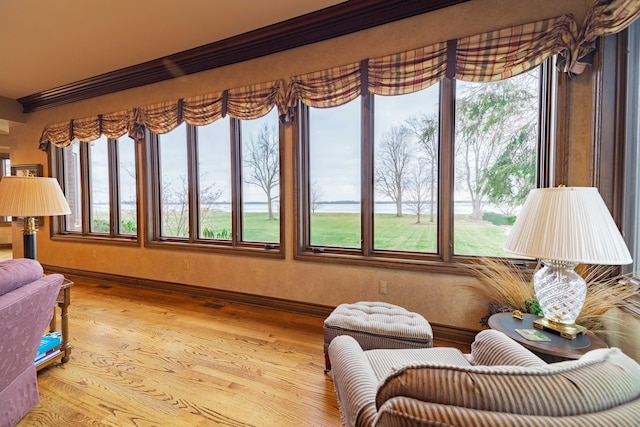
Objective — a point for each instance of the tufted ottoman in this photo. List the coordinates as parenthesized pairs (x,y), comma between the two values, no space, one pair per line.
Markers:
(377,325)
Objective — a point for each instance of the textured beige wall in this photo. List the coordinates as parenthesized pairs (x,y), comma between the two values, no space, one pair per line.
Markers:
(623,331)
(437,296)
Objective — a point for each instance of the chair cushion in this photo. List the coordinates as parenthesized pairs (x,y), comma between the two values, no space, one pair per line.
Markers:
(600,380)
(15,273)
(384,362)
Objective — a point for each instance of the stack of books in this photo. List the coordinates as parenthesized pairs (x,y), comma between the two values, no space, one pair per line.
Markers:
(49,344)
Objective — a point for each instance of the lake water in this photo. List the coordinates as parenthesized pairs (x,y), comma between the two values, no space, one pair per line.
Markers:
(463,207)
(331,207)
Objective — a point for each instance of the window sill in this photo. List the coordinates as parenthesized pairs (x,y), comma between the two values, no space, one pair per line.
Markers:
(255,249)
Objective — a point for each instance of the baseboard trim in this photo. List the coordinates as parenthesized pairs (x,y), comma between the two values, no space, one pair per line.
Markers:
(199,291)
(442,332)
(453,334)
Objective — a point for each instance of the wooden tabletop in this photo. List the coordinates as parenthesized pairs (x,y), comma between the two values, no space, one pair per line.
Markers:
(558,347)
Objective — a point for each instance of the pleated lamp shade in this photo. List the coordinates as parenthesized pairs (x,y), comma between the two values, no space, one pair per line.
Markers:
(569,224)
(29,196)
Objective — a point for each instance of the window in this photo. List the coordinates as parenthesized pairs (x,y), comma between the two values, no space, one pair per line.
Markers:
(218,185)
(495,160)
(334,175)
(260,166)
(406,172)
(435,175)
(214,183)
(99,181)
(5,170)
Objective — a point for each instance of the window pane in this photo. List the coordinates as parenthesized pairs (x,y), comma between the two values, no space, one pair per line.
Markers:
(127,186)
(71,159)
(261,179)
(99,185)
(496,140)
(406,171)
(174,185)
(214,175)
(334,175)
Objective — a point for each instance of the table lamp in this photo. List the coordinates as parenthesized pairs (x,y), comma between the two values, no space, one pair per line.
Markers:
(30,197)
(563,227)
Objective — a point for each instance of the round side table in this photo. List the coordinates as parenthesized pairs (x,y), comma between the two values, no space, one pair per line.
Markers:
(556,350)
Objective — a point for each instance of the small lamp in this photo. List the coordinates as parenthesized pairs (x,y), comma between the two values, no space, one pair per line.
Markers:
(30,197)
(563,227)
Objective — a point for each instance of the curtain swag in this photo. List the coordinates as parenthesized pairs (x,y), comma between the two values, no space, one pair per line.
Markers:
(604,18)
(486,57)
(249,102)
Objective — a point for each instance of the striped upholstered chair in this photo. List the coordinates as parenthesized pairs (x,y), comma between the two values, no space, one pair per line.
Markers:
(499,384)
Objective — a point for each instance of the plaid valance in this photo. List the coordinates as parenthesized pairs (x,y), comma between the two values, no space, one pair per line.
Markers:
(490,56)
(326,88)
(486,57)
(249,102)
(505,53)
(112,125)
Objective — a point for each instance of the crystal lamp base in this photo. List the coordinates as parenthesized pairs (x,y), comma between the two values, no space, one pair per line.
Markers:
(560,291)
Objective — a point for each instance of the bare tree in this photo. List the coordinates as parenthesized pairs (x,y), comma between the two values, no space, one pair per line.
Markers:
(425,130)
(175,205)
(418,187)
(262,160)
(315,196)
(208,195)
(392,158)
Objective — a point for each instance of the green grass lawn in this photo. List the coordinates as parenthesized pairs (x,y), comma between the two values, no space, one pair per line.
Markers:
(391,232)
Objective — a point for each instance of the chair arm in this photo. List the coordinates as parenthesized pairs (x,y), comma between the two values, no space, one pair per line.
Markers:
(353,379)
(494,348)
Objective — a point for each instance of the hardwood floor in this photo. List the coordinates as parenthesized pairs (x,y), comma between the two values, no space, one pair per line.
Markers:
(149,358)
(6,253)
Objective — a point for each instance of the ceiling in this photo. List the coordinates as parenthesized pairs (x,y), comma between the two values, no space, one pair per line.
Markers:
(64,41)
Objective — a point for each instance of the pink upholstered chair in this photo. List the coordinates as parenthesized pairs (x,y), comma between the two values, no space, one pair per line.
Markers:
(27,299)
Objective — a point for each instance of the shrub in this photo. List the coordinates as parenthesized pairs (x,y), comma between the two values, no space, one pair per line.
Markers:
(498,219)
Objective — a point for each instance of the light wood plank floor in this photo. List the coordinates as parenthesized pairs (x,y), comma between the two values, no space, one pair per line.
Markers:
(6,253)
(150,358)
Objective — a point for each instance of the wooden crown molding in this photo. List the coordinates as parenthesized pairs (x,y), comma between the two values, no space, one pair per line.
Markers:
(341,19)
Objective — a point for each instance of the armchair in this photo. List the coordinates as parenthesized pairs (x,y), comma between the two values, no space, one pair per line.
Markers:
(27,299)
(499,384)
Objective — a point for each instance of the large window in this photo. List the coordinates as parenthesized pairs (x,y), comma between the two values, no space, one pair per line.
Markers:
(99,181)
(5,169)
(495,159)
(334,176)
(431,176)
(218,185)
(211,186)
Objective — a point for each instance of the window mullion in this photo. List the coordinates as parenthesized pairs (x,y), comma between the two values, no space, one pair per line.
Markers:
(114,198)
(367,144)
(236,182)
(192,182)
(154,190)
(302,180)
(446,167)
(544,170)
(85,197)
